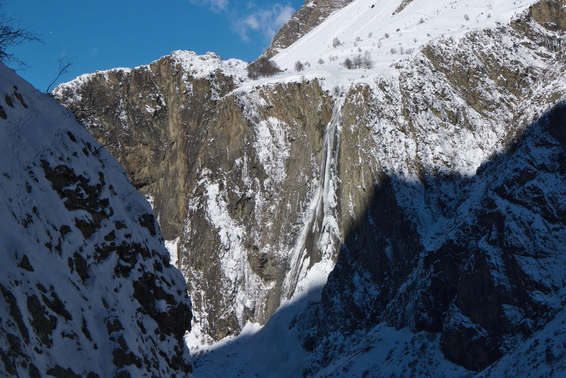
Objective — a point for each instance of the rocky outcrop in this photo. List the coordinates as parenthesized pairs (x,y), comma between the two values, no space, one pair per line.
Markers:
(86,288)
(549,14)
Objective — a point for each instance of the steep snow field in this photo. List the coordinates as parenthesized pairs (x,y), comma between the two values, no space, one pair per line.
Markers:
(374,29)
(75,241)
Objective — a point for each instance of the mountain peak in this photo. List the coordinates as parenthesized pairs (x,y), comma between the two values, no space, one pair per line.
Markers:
(309,16)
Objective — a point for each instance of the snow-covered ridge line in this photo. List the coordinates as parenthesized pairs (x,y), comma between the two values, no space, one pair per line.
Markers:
(372,30)
(193,64)
(372,36)
(201,66)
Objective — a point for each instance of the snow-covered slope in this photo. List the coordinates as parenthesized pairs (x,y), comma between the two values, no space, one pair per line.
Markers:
(399,178)
(309,16)
(541,355)
(381,32)
(86,288)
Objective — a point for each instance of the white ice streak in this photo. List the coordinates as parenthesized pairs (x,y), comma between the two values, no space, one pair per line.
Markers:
(319,220)
(231,234)
(272,148)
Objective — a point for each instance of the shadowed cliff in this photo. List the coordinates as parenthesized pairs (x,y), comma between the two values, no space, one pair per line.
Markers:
(478,282)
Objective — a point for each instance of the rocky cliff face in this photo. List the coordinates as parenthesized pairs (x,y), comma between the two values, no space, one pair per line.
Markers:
(154,115)
(439,247)
(436,188)
(234,181)
(86,288)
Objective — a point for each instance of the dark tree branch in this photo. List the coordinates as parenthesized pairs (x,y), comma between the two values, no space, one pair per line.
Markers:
(64,68)
(12,34)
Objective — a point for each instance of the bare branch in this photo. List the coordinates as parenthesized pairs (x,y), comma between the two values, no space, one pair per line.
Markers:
(65,65)
(12,34)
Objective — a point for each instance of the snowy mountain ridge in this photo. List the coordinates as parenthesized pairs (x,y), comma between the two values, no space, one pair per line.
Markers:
(386,33)
(366,26)
(358,199)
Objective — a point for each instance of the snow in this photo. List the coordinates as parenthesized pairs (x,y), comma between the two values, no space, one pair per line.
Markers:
(82,79)
(541,355)
(269,351)
(42,146)
(172,246)
(200,66)
(274,351)
(192,64)
(231,234)
(272,148)
(370,26)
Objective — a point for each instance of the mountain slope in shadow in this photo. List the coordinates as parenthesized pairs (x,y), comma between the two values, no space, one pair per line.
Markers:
(442,298)
(487,271)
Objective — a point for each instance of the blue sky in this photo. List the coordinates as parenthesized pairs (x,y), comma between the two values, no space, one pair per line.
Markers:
(103,34)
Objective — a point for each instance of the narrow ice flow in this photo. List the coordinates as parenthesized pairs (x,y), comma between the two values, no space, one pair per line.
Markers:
(171,246)
(320,219)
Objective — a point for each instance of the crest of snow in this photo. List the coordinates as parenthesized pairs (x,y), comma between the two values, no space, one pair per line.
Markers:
(201,66)
(78,82)
(374,28)
(198,66)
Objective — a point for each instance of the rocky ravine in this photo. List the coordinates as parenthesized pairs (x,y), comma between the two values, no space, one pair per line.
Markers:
(86,288)
(263,182)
